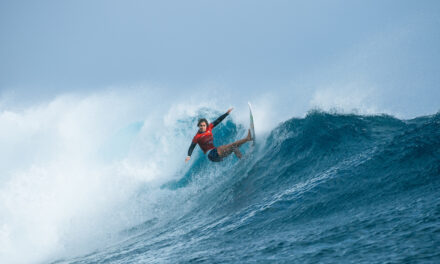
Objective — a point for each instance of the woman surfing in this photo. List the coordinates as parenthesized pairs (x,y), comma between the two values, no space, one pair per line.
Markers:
(205,139)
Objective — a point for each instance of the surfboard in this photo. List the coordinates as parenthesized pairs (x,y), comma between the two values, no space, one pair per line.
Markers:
(251,125)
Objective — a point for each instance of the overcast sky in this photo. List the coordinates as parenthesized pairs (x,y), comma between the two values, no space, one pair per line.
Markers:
(387,53)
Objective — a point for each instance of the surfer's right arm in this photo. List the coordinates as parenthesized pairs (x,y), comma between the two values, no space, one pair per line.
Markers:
(190,150)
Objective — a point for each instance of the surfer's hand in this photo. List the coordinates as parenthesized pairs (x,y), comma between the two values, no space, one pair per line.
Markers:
(187,158)
(230,109)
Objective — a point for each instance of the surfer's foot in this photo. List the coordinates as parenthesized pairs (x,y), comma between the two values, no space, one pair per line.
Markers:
(249,137)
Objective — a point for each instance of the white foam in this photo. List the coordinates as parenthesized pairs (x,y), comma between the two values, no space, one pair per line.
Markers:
(59,196)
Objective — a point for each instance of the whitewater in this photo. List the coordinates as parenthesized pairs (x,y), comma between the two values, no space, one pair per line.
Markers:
(101,178)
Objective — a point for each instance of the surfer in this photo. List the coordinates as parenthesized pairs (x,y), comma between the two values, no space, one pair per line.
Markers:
(205,139)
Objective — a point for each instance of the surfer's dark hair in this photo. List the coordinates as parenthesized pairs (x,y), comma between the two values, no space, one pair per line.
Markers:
(201,120)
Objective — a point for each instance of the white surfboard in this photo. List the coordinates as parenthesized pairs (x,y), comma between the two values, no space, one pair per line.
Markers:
(252,124)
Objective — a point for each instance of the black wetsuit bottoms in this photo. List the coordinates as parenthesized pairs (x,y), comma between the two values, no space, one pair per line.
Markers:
(213,155)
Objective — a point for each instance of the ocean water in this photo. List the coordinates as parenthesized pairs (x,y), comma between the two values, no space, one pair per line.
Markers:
(325,188)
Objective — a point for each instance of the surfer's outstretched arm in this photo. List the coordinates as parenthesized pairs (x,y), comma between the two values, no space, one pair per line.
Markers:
(220,118)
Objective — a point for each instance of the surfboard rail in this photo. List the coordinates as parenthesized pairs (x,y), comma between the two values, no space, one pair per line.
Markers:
(251,124)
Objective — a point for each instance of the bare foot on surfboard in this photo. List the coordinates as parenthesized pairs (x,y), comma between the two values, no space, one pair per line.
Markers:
(249,136)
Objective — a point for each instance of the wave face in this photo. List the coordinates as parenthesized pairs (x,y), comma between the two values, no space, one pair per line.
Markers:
(324,188)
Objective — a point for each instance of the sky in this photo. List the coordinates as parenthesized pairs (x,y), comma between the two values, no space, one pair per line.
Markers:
(380,56)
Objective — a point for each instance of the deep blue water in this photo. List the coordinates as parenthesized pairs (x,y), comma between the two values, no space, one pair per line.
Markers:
(327,188)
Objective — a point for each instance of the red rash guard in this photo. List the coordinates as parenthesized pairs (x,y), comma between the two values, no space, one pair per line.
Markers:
(205,139)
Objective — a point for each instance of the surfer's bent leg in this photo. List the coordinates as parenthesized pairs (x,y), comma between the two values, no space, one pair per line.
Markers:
(226,150)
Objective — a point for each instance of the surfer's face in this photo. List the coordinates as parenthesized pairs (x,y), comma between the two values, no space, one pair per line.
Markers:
(202,127)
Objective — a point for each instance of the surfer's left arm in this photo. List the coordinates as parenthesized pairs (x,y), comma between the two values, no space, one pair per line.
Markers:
(190,150)
(220,118)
